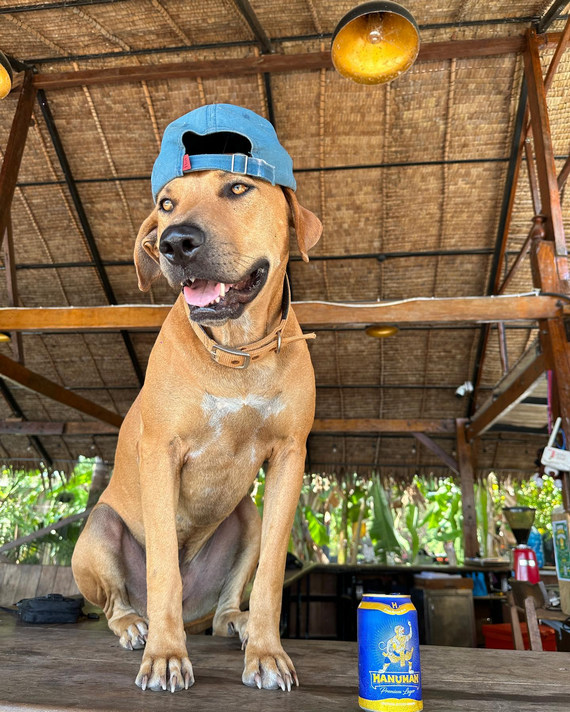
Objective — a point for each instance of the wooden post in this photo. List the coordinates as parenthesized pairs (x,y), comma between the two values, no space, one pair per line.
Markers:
(466,472)
(99,480)
(15,150)
(554,339)
(12,289)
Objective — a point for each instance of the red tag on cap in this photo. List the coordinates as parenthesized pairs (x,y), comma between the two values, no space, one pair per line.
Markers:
(186,165)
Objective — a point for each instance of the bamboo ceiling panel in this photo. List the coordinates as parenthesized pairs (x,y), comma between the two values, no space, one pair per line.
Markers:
(418,165)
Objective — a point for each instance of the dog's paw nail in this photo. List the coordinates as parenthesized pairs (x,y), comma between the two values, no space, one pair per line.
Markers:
(296,679)
(173,681)
(258,680)
(281,683)
(289,681)
(187,681)
(144,682)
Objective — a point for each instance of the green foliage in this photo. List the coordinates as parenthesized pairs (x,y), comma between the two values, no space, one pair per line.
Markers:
(382,528)
(317,529)
(544,499)
(33,500)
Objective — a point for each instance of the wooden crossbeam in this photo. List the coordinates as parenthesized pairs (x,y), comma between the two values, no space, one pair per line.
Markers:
(80,428)
(310,314)
(416,427)
(516,391)
(268,63)
(15,372)
(379,425)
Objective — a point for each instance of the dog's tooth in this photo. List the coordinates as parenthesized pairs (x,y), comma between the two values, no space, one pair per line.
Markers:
(217,300)
(222,290)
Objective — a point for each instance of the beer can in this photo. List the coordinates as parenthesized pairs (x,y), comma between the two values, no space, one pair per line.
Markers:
(388,654)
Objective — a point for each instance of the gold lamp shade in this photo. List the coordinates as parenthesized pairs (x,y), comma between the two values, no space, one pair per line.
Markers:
(6,76)
(375,42)
(381,331)
(5,338)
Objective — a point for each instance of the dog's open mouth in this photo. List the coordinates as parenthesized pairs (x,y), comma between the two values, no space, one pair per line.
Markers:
(217,300)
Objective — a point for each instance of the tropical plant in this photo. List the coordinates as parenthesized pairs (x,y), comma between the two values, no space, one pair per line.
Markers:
(33,500)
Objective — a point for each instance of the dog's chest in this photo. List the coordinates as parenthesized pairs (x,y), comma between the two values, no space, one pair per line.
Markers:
(232,437)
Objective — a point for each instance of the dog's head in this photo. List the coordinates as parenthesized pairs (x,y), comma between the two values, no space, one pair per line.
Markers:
(218,231)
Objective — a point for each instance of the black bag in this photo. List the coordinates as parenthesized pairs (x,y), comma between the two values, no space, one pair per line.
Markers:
(53,608)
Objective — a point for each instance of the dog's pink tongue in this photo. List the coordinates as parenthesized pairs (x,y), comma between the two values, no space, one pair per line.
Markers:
(202,293)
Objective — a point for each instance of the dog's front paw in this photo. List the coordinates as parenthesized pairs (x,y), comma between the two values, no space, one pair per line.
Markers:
(268,669)
(165,672)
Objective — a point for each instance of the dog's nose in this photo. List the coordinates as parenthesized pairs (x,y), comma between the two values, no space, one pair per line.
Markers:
(179,243)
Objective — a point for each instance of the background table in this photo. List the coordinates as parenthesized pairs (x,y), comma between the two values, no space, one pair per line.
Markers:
(82,667)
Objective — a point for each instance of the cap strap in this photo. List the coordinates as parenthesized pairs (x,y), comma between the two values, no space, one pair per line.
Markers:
(230,162)
(241,357)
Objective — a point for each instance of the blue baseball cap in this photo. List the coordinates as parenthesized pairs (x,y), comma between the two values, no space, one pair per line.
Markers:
(252,145)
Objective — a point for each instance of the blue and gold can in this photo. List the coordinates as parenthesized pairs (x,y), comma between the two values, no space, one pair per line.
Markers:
(388,654)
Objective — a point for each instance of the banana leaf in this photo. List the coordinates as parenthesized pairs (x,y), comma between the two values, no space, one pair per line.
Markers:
(317,529)
(382,521)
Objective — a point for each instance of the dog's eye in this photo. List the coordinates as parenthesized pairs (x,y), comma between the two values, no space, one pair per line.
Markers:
(239,188)
(167,205)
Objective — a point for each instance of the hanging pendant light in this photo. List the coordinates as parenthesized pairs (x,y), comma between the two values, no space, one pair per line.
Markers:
(381,331)
(6,76)
(375,42)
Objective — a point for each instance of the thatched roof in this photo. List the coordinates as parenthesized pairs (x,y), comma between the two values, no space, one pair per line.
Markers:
(393,171)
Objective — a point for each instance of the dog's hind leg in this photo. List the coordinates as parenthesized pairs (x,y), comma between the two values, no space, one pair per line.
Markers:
(229,619)
(109,569)
(218,575)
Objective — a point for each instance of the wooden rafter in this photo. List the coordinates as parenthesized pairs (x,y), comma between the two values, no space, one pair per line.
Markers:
(546,166)
(309,314)
(451,462)
(15,150)
(516,391)
(15,372)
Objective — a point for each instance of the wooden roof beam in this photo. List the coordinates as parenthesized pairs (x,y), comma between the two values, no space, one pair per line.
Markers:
(546,167)
(15,150)
(15,372)
(415,427)
(309,314)
(350,425)
(519,387)
(73,428)
(208,69)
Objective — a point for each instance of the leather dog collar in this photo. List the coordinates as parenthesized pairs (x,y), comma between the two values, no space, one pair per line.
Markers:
(241,357)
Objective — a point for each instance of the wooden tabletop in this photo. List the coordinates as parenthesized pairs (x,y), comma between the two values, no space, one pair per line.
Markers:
(82,667)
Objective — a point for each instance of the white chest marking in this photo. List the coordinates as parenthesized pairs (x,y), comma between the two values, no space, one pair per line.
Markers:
(216,408)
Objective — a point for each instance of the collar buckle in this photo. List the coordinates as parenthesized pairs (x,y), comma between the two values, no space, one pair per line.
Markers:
(244,356)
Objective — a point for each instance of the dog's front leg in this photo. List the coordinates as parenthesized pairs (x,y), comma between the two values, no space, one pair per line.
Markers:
(266,663)
(165,663)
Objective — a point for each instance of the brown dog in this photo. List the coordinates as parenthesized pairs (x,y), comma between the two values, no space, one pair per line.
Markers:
(176,533)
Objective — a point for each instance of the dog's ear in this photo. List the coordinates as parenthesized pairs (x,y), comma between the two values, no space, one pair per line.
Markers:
(146,252)
(307,225)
